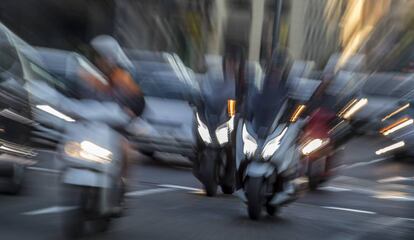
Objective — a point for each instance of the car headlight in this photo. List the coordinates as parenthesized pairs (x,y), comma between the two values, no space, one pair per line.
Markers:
(203,130)
(250,144)
(353,107)
(272,145)
(314,145)
(223,131)
(88,151)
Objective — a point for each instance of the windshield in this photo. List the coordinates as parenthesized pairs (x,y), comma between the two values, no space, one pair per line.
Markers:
(265,103)
(164,85)
(215,93)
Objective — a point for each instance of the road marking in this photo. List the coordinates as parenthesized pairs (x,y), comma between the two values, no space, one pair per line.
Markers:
(395,179)
(334,189)
(360,164)
(148,192)
(59,209)
(180,187)
(48,170)
(349,210)
(395,198)
(49,210)
(407,219)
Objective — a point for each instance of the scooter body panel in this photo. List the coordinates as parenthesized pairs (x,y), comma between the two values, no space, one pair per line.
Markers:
(87,178)
(259,169)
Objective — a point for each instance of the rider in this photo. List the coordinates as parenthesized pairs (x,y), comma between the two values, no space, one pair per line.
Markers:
(112,61)
(121,87)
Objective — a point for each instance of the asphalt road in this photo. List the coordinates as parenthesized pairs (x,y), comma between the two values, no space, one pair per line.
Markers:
(370,198)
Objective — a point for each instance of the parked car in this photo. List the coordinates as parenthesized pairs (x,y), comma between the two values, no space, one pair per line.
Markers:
(16,122)
(167,123)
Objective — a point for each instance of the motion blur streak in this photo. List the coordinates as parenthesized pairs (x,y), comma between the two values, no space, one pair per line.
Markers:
(396,111)
(355,107)
(55,112)
(210,119)
(396,126)
(297,113)
(390,148)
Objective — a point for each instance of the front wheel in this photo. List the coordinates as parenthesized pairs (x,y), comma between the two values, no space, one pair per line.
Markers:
(101,224)
(209,175)
(316,172)
(16,182)
(255,197)
(74,220)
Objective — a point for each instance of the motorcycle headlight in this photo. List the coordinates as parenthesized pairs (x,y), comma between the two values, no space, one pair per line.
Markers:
(314,145)
(250,144)
(223,131)
(88,151)
(203,130)
(272,145)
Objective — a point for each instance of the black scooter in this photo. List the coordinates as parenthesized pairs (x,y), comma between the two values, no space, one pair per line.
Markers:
(267,154)
(215,117)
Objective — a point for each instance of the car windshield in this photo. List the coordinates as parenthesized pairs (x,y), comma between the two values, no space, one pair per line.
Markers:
(164,85)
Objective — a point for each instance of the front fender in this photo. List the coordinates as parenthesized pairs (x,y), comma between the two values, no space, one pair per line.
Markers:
(259,169)
(85,177)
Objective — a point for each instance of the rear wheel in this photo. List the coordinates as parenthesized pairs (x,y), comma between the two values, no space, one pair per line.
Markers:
(227,189)
(255,197)
(271,210)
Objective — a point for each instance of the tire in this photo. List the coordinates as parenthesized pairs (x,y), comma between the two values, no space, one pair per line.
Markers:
(16,183)
(74,220)
(313,183)
(255,197)
(315,175)
(228,181)
(271,210)
(209,173)
(101,225)
(147,153)
(227,189)
(74,224)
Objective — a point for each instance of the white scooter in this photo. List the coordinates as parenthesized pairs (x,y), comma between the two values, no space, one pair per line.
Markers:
(94,154)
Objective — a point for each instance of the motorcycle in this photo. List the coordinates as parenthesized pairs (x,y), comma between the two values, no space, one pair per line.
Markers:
(94,153)
(317,148)
(214,164)
(267,150)
(268,159)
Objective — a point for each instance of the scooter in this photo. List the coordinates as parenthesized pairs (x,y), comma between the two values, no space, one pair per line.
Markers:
(94,153)
(317,148)
(214,164)
(267,155)
(268,165)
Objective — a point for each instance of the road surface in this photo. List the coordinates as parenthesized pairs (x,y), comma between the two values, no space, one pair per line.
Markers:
(370,198)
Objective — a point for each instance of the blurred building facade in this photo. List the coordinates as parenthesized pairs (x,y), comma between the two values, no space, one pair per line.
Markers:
(158,25)
(314,31)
